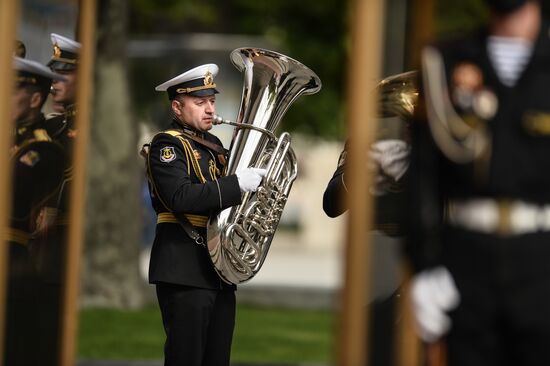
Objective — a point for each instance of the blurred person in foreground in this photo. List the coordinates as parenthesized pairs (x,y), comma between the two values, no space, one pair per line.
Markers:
(388,160)
(49,244)
(480,203)
(187,183)
(37,166)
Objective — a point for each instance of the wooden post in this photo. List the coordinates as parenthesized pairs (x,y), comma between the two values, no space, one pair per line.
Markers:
(421,29)
(409,346)
(363,72)
(9,15)
(86,31)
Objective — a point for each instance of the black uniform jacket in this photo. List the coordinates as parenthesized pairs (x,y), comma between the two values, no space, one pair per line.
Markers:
(61,128)
(389,214)
(516,164)
(49,245)
(37,174)
(334,196)
(186,177)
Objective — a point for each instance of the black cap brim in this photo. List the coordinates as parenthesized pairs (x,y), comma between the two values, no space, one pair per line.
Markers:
(61,66)
(203,93)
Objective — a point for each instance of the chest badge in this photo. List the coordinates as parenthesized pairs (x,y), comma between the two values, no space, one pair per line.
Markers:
(167,154)
(30,158)
(197,154)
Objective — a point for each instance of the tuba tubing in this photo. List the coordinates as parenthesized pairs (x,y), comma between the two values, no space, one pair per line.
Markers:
(239,237)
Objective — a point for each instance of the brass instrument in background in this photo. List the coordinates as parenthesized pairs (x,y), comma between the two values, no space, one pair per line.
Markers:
(239,237)
(398,95)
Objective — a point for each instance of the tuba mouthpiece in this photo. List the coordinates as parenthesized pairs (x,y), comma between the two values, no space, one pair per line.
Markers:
(217,120)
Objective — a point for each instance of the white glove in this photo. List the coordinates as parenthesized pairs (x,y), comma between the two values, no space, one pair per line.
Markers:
(250,178)
(433,294)
(392,156)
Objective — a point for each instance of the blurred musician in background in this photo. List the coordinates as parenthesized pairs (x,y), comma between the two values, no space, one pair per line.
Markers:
(480,204)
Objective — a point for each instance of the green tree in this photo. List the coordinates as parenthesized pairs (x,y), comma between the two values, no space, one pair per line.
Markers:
(113,223)
(310,31)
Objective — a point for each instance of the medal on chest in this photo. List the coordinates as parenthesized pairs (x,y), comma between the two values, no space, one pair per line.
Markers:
(473,99)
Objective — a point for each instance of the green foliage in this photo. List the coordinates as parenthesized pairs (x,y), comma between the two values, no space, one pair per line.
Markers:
(168,15)
(456,17)
(261,334)
(310,31)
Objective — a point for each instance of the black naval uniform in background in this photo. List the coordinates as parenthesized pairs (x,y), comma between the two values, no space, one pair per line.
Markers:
(389,216)
(37,164)
(501,273)
(198,308)
(48,248)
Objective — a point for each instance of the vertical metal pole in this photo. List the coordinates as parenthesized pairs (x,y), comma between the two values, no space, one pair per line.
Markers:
(363,72)
(9,15)
(87,22)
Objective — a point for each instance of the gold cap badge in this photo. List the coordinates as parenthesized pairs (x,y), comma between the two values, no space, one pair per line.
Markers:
(208,79)
(56,51)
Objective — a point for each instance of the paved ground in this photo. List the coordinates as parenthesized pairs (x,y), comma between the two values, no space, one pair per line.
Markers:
(312,278)
(308,277)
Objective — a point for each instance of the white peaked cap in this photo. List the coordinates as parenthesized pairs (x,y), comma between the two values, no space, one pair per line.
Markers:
(36,68)
(195,73)
(66,44)
(198,82)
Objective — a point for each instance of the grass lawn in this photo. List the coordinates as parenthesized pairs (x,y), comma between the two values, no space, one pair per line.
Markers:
(261,335)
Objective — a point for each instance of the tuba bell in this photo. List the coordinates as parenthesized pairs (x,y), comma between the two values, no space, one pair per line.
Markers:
(239,237)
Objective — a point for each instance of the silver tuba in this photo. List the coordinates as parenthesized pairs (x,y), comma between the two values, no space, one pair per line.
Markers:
(239,237)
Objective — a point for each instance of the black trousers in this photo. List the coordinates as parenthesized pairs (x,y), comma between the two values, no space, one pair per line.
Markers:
(21,338)
(198,324)
(382,333)
(504,313)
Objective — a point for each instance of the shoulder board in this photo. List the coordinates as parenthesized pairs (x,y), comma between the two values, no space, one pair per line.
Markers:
(145,148)
(41,135)
(174,133)
(38,146)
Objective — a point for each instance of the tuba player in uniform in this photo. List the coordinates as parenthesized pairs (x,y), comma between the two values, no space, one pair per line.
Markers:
(186,164)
